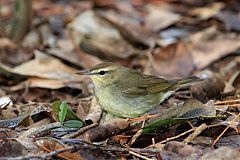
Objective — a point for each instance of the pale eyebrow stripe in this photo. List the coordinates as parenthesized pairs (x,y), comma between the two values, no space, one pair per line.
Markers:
(99,70)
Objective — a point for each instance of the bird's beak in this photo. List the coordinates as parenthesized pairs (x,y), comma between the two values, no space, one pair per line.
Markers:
(84,72)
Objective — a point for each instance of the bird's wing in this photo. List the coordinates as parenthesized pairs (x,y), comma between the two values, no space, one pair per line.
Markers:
(142,84)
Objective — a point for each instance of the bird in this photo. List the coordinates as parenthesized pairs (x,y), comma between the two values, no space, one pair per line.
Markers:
(128,93)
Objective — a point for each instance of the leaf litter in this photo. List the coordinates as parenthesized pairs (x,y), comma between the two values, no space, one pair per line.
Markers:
(52,111)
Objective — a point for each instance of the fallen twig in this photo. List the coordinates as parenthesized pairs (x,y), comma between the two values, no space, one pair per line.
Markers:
(81,130)
(228,105)
(139,155)
(196,132)
(140,150)
(113,148)
(228,101)
(139,132)
(142,118)
(135,136)
(216,140)
(172,138)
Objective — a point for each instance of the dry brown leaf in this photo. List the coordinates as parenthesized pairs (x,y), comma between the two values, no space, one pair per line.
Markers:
(88,61)
(134,33)
(95,111)
(160,16)
(207,12)
(209,45)
(232,141)
(201,90)
(45,66)
(129,22)
(25,136)
(229,84)
(35,82)
(172,61)
(32,39)
(204,35)
(85,30)
(5,42)
(227,153)
(82,152)
(230,19)
(65,50)
(181,148)
(51,144)
(43,71)
(10,149)
(206,52)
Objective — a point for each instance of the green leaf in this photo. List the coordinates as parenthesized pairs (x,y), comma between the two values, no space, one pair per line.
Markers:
(165,123)
(73,124)
(189,110)
(63,111)
(160,124)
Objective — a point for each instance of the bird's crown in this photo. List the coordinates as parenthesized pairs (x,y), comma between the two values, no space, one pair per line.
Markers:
(104,66)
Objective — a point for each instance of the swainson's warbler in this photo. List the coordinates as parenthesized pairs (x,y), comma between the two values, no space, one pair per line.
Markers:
(126,92)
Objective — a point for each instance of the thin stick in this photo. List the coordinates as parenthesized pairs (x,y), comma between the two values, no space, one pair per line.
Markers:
(175,137)
(135,136)
(139,133)
(190,124)
(153,141)
(141,150)
(217,139)
(143,118)
(229,105)
(139,155)
(197,131)
(227,101)
(80,131)
(118,149)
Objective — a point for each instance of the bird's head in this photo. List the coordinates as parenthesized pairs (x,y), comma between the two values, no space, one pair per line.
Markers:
(104,74)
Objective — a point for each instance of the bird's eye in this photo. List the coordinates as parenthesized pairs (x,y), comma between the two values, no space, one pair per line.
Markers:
(102,72)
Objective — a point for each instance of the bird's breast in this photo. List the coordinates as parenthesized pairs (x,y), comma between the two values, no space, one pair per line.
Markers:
(112,100)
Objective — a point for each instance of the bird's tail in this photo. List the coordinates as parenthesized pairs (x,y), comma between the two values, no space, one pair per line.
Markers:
(188,81)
